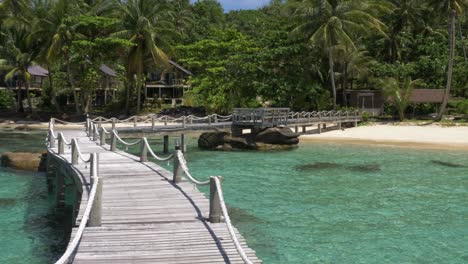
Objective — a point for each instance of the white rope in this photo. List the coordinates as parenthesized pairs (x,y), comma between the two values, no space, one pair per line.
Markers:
(69,123)
(79,233)
(239,248)
(153,154)
(105,130)
(60,134)
(183,165)
(80,155)
(126,143)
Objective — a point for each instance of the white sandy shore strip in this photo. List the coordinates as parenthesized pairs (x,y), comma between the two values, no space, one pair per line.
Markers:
(411,136)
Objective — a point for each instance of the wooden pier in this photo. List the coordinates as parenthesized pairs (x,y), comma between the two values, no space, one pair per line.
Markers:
(134,211)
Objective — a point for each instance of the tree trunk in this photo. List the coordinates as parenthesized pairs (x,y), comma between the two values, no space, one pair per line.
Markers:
(451,30)
(129,94)
(53,92)
(332,77)
(20,98)
(138,91)
(462,42)
(344,85)
(28,96)
(11,95)
(72,84)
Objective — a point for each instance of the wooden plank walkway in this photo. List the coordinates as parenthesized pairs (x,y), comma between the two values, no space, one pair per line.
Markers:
(146,218)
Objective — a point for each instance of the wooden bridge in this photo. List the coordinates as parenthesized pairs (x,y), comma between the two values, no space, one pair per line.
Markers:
(129,210)
(241,118)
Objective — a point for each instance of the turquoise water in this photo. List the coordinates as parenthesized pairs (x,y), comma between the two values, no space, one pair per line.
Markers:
(328,203)
(319,203)
(29,232)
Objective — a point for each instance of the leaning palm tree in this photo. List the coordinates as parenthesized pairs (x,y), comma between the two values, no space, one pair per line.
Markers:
(452,8)
(332,24)
(141,25)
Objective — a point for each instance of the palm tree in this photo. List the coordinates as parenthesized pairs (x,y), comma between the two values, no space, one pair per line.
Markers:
(21,51)
(399,92)
(142,25)
(58,30)
(334,25)
(451,8)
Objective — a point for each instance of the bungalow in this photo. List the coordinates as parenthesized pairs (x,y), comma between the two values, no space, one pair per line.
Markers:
(373,101)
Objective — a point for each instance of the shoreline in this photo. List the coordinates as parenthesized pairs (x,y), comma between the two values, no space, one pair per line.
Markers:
(403,136)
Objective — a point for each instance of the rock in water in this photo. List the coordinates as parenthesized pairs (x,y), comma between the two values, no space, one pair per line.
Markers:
(277,136)
(211,140)
(24,161)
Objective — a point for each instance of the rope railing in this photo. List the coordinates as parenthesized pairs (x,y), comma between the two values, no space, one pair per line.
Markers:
(183,165)
(88,214)
(123,141)
(227,219)
(147,148)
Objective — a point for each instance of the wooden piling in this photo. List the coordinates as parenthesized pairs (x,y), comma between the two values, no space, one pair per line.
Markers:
(215,206)
(152,123)
(135,121)
(183,148)
(319,128)
(296,129)
(166,143)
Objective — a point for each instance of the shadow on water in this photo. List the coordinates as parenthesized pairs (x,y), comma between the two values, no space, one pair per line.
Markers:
(242,216)
(42,225)
(317,166)
(448,164)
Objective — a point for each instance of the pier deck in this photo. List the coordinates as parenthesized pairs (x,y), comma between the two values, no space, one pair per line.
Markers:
(146,218)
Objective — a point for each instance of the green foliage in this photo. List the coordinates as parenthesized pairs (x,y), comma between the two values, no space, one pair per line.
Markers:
(4,100)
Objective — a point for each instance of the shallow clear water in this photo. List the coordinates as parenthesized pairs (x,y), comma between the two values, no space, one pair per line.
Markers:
(329,203)
(319,203)
(29,232)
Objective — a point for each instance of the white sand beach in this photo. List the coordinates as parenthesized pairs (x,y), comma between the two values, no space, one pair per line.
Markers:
(430,136)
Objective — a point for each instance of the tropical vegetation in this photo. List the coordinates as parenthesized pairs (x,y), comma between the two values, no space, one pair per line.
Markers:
(303,54)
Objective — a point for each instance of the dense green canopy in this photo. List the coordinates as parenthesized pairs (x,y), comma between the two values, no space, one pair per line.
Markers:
(303,54)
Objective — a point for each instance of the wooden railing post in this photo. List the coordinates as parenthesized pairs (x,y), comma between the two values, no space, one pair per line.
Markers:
(75,155)
(183,148)
(51,139)
(215,206)
(100,122)
(209,120)
(165,120)
(61,144)
(102,137)
(113,123)
(95,214)
(183,122)
(135,121)
(152,123)
(215,118)
(95,133)
(113,145)
(90,127)
(177,177)
(143,151)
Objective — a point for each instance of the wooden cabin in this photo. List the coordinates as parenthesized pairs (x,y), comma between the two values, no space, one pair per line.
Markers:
(168,85)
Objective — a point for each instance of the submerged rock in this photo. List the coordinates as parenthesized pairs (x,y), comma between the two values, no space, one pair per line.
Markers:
(447,164)
(7,201)
(277,136)
(211,140)
(365,168)
(318,166)
(24,161)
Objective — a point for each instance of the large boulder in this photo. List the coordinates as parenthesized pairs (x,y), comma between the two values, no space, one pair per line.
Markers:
(24,161)
(277,136)
(211,140)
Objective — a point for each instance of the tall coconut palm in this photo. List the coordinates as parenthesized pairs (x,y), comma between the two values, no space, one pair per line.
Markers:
(452,8)
(58,30)
(333,23)
(21,52)
(143,26)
